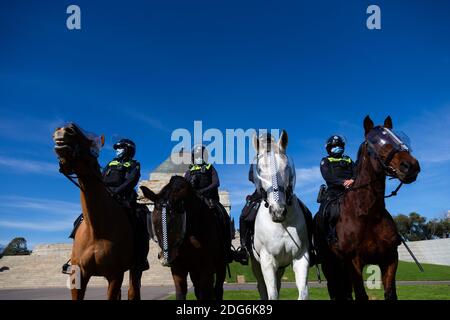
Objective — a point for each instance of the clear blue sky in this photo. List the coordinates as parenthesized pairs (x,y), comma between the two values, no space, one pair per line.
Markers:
(144,68)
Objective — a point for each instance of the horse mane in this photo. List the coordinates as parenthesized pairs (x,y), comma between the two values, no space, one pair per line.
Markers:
(360,155)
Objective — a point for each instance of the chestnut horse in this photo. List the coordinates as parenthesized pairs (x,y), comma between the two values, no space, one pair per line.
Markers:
(190,239)
(103,244)
(366,232)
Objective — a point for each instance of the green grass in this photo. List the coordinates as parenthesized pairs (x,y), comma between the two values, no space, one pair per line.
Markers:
(419,292)
(406,271)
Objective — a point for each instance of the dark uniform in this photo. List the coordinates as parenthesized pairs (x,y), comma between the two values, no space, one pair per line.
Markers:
(204,179)
(336,169)
(121,176)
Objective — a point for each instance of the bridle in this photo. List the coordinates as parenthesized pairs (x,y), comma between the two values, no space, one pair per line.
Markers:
(385,164)
(275,188)
(74,177)
(165,236)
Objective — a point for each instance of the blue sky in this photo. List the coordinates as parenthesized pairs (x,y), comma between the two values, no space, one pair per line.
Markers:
(143,69)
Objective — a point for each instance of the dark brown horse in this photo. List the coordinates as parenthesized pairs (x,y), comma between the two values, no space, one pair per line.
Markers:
(365,230)
(190,239)
(104,243)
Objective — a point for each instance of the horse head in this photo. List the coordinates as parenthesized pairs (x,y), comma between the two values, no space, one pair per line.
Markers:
(274,176)
(169,217)
(77,150)
(390,151)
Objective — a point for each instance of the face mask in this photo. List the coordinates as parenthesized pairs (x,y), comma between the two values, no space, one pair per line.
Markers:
(120,153)
(198,161)
(337,150)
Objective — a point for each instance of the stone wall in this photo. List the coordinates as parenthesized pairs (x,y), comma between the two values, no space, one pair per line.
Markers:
(427,251)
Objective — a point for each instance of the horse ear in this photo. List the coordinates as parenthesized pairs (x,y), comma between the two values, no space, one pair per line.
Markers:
(388,123)
(368,125)
(255,143)
(283,142)
(149,194)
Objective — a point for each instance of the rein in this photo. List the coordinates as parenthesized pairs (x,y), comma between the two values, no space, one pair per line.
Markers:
(73,177)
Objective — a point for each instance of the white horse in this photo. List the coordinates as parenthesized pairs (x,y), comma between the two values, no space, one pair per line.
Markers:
(280,237)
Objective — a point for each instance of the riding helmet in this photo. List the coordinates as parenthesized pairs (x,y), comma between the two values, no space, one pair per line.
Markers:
(128,145)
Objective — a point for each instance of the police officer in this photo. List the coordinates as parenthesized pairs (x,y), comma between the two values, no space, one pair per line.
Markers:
(121,176)
(204,179)
(338,171)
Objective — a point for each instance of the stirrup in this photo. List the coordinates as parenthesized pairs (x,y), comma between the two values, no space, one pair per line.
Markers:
(67,268)
(241,255)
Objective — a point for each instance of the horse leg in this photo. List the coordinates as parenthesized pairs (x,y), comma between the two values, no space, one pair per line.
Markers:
(180,281)
(280,273)
(78,293)
(269,269)
(301,268)
(205,285)
(220,279)
(356,268)
(388,271)
(134,290)
(256,268)
(114,287)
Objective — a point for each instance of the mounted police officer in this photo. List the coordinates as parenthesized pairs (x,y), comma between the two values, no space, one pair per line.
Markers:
(120,177)
(204,179)
(338,171)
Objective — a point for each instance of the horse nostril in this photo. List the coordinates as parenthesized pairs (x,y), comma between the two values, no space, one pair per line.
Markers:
(405,166)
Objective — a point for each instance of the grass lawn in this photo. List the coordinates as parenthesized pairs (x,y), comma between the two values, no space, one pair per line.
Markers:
(406,271)
(420,292)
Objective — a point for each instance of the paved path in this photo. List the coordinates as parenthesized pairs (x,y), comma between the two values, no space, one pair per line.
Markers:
(152,292)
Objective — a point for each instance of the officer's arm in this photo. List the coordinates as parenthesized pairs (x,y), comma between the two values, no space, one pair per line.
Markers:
(132,178)
(215,183)
(327,175)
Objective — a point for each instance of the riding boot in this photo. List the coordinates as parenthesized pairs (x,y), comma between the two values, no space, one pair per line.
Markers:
(227,238)
(242,252)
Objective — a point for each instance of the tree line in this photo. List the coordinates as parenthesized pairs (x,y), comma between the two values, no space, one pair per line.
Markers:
(414,227)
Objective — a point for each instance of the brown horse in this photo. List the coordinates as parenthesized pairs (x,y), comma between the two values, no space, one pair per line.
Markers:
(365,230)
(103,244)
(190,239)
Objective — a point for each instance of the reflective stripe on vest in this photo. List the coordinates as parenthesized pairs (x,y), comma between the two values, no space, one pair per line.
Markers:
(195,168)
(116,163)
(331,159)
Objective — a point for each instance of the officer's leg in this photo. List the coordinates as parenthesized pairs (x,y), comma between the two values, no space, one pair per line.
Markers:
(242,231)
(333,214)
(227,234)
(142,238)
(76,224)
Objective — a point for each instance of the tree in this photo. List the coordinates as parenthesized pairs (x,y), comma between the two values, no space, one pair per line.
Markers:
(17,247)
(414,227)
(417,230)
